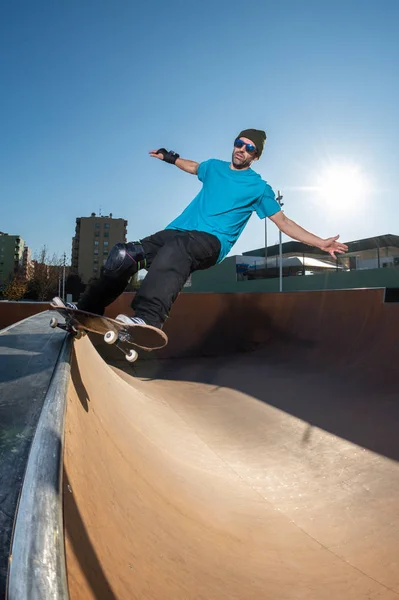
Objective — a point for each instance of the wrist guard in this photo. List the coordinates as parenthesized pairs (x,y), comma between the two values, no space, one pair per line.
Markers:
(168,156)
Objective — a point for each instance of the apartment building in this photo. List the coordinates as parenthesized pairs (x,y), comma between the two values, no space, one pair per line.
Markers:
(94,237)
(11,256)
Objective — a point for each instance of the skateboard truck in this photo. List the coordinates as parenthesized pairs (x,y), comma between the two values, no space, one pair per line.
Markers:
(68,327)
(110,337)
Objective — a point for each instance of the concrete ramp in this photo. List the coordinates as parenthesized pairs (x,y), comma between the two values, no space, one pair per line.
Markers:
(271,474)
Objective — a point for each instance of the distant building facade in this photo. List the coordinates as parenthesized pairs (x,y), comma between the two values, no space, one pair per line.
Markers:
(28,268)
(369,253)
(94,238)
(11,257)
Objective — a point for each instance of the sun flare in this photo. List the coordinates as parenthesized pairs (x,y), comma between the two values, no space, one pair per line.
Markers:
(342,185)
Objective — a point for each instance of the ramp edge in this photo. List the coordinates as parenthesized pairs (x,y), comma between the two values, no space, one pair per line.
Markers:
(37,568)
(17,323)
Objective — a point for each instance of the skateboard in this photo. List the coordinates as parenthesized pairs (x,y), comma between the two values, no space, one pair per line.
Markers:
(79,322)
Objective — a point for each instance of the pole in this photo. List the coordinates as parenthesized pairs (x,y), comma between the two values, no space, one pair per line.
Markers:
(279,198)
(265,244)
(63,281)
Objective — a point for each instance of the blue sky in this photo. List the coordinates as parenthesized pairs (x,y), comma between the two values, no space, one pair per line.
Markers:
(89,87)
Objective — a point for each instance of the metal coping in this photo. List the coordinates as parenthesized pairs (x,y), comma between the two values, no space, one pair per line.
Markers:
(37,569)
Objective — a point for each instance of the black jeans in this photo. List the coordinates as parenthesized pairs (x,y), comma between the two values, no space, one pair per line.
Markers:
(171,256)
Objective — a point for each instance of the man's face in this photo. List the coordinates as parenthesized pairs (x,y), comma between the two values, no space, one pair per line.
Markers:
(242,157)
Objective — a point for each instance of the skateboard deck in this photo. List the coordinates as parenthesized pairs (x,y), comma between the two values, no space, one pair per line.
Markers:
(78,321)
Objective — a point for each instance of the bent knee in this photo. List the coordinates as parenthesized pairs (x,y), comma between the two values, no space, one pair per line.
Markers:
(124,260)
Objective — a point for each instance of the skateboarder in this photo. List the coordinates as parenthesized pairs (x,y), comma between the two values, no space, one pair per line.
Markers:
(200,237)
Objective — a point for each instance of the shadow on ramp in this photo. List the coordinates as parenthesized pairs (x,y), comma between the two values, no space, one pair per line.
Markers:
(79,544)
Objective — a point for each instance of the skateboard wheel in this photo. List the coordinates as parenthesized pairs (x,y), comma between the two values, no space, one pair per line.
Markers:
(78,335)
(53,322)
(131,356)
(110,337)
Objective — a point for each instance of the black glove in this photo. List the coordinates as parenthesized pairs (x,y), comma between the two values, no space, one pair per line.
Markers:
(168,156)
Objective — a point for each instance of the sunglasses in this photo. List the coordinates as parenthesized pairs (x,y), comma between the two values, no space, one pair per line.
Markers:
(250,148)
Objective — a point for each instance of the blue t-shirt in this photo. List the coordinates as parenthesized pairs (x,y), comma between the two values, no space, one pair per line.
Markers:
(225,203)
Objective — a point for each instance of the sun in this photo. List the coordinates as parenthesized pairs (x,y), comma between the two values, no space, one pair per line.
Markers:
(342,186)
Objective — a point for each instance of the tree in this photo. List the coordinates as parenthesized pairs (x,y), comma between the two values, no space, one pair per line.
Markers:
(16,289)
(47,272)
(134,284)
(74,286)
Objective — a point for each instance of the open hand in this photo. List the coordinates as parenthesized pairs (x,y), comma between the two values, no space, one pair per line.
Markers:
(168,156)
(331,246)
(157,154)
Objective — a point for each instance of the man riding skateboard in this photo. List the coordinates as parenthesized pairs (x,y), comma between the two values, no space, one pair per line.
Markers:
(200,237)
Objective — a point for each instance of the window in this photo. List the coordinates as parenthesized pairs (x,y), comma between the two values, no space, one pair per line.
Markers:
(96,234)
(97,225)
(105,244)
(106,225)
(105,252)
(106,233)
(96,242)
(96,251)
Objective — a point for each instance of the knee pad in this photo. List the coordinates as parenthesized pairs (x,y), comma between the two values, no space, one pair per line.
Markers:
(124,260)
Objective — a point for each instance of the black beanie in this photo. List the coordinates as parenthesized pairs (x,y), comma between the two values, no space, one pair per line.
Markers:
(257,136)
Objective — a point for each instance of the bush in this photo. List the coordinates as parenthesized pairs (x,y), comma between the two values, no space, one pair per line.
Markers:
(16,289)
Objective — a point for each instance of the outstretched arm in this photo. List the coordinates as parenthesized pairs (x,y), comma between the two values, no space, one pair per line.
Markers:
(296,232)
(189,166)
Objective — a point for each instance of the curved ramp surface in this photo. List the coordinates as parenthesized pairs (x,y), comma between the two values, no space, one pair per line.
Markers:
(269,474)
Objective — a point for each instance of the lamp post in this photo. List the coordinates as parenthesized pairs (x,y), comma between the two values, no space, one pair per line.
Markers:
(265,244)
(378,253)
(279,198)
(63,280)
